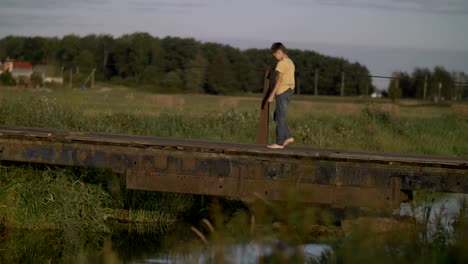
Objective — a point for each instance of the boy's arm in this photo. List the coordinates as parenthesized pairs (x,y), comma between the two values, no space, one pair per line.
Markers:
(277,85)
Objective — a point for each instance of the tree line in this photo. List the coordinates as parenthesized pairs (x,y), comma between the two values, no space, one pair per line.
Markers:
(173,64)
(424,83)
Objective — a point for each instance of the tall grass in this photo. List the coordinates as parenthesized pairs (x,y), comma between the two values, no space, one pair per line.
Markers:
(372,129)
(376,130)
(79,201)
(51,199)
(84,203)
(369,130)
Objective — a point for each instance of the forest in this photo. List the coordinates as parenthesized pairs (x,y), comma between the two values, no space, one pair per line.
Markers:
(179,65)
(424,83)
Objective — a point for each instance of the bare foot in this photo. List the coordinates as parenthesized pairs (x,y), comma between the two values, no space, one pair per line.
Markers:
(288,141)
(275,146)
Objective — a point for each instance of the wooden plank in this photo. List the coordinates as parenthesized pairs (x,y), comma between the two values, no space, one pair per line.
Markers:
(396,159)
(262,134)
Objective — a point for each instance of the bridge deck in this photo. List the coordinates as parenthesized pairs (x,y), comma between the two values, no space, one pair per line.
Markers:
(223,147)
(239,170)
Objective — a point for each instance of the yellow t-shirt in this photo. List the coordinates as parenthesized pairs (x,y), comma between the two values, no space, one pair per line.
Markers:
(287,68)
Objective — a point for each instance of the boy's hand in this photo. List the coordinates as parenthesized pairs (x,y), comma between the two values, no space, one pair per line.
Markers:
(270,99)
(277,85)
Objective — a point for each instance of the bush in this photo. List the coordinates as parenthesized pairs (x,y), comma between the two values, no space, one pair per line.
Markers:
(22,81)
(7,79)
(394,93)
(36,79)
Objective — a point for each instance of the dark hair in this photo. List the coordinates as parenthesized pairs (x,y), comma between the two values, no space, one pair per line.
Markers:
(278,46)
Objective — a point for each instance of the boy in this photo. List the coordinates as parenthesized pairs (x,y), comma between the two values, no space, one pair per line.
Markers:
(283,91)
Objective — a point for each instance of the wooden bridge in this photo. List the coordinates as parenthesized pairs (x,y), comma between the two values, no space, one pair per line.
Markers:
(332,177)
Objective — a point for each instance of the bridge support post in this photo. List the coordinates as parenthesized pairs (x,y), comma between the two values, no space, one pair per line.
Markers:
(262,134)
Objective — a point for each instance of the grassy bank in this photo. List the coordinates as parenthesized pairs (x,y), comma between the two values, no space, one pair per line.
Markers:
(81,203)
(370,129)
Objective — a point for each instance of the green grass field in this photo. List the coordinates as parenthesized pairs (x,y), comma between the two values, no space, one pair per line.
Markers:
(83,203)
(121,99)
(408,126)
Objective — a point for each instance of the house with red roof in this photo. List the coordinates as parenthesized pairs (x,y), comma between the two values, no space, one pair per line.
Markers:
(17,68)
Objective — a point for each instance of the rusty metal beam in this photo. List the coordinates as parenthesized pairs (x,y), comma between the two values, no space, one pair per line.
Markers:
(262,134)
(337,178)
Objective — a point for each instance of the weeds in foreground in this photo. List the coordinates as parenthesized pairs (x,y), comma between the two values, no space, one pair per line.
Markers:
(281,233)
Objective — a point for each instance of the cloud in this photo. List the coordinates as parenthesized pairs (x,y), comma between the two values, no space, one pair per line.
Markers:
(104,4)
(51,4)
(28,15)
(430,6)
(171,6)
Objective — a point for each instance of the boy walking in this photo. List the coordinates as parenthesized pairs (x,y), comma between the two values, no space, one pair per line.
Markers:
(283,92)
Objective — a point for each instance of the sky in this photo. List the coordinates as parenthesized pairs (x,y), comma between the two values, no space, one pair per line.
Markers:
(385,35)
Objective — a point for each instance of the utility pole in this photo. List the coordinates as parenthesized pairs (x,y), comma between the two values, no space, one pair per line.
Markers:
(342,82)
(460,91)
(440,90)
(71,78)
(92,78)
(61,75)
(298,83)
(454,92)
(425,87)
(397,84)
(316,82)
(104,63)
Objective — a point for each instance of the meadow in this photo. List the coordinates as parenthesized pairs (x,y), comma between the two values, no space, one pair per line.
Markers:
(84,203)
(408,126)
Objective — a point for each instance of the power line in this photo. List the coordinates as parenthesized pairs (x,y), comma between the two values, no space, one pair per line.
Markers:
(313,71)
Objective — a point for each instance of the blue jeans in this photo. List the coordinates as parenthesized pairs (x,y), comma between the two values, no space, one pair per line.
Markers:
(282,130)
